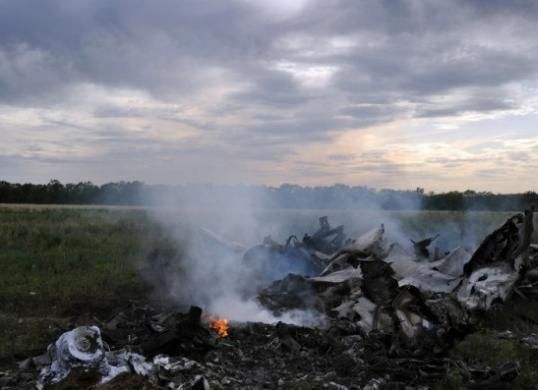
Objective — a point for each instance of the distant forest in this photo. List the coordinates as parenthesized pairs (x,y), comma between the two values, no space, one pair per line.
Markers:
(286,196)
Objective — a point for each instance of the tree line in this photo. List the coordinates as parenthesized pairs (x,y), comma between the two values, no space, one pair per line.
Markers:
(285,196)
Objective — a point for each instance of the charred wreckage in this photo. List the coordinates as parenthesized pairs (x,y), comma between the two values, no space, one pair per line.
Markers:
(387,315)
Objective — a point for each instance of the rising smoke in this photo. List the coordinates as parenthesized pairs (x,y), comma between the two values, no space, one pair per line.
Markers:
(210,272)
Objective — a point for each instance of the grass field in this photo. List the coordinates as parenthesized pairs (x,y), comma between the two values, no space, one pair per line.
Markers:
(58,263)
(62,266)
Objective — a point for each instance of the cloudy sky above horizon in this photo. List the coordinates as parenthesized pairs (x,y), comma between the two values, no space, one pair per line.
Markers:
(399,94)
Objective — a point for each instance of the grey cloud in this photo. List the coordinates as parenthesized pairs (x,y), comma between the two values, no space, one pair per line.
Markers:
(158,46)
(485,146)
(470,104)
(165,113)
(401,51)
(341,157)
(115,111)
(521,157)
(383,167)
(492,173)
(366,111)
(375,162)
(458,162)
(164,46)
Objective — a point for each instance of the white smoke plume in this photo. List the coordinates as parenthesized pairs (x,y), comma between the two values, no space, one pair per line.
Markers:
(211,273)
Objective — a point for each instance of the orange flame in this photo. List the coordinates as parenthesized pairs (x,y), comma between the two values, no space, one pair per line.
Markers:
(219,325)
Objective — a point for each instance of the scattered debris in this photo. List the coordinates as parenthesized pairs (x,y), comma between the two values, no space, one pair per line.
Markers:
(531,341)
(421,247)
(387,318)
(83,348)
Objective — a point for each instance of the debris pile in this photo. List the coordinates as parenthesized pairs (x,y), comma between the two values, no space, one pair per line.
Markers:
(377,285)
(147,345)
(83,348)
(387,314)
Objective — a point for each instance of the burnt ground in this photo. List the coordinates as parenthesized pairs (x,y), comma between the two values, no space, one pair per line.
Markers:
(254,355)
(284,356)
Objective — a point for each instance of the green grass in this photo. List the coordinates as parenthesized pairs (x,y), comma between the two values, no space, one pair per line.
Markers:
(60,262)
(57,256)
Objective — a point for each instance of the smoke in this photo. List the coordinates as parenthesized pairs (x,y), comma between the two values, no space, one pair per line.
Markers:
(233,306)
(209,270)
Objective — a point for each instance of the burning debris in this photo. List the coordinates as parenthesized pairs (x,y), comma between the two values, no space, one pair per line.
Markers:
(219,325)
(386,317)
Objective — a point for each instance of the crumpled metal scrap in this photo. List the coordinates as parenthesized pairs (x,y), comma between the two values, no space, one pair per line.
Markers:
(83,348)
(380,286)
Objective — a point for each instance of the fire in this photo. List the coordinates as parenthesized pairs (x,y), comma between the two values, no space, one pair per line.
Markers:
(219,325)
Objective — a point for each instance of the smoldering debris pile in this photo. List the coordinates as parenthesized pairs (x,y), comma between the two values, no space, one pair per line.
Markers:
(387,316)
(422,302)
(144,349)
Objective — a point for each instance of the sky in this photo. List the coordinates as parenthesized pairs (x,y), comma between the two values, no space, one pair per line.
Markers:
(384,93)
